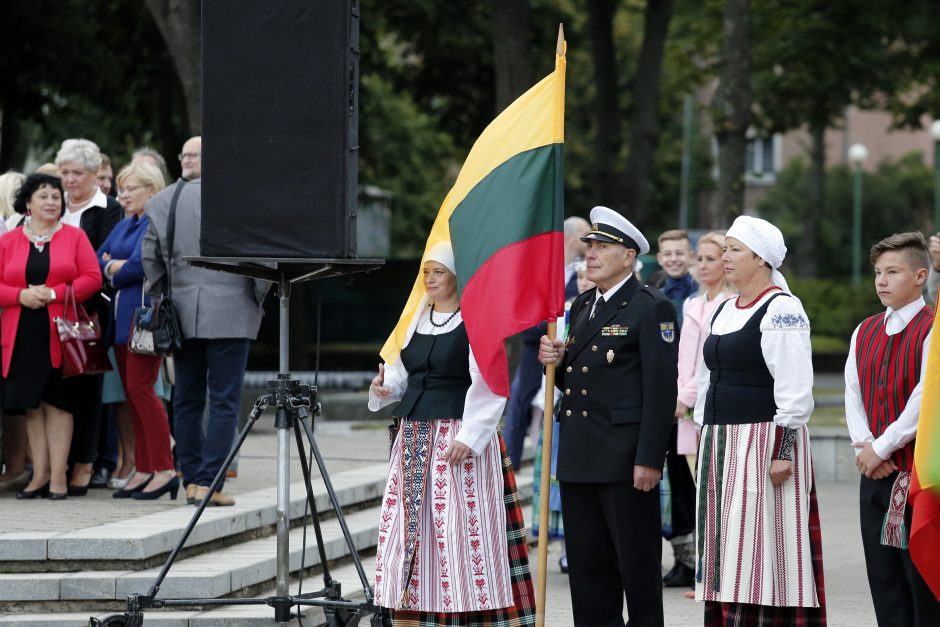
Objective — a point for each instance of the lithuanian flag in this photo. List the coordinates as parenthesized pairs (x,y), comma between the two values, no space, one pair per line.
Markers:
(924,494)
(504,218)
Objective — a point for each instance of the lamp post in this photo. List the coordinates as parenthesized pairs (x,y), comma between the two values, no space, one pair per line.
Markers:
(857,155)
(935,133)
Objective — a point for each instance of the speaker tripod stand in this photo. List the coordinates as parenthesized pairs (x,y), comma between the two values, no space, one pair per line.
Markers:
(295,405)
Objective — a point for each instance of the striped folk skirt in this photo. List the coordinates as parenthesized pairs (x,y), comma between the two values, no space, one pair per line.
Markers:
(451,547)
(757,544)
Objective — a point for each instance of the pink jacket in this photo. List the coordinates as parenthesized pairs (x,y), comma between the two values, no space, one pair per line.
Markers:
(697,314)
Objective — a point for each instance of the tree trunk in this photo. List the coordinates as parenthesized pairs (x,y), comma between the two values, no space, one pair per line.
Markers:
(807,247)
(9,135)
(512,59)
(607,134)
(180,23)
(732,111)
(644,122)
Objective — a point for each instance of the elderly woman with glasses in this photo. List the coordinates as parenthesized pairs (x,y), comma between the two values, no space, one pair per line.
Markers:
(120,259)
(87,208)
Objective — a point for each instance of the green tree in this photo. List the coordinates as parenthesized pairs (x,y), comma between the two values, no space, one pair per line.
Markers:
(897,197)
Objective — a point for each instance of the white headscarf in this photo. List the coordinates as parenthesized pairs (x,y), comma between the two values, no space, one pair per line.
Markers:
(442,253)
(765,240)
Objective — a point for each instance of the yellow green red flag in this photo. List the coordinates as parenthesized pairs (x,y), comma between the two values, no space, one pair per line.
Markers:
(504,218)
(924,494)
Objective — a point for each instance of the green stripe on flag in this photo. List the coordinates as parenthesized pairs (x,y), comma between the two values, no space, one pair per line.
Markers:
(508,206)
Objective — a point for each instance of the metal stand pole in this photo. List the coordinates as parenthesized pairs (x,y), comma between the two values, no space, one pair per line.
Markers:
(282,425)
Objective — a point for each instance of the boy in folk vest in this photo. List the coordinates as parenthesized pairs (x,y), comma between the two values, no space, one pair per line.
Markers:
(883,387)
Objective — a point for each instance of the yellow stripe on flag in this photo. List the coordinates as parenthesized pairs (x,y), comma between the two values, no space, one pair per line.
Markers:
(927,451)
(533,120)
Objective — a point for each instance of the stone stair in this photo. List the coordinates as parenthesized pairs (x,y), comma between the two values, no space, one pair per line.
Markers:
(53,579)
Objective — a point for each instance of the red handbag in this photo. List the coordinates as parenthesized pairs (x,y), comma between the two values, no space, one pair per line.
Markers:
(83,352)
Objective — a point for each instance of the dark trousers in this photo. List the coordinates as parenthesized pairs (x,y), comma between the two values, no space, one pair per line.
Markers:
(86,416)
(612,534)
(900,596)
(683,490)
(220,366)
(525,384)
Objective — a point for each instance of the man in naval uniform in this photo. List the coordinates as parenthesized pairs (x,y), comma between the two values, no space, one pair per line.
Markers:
(617,372)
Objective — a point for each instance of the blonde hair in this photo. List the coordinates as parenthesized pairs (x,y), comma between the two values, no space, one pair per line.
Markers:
(49,168)
(10,183)
(718,239)
(149,175)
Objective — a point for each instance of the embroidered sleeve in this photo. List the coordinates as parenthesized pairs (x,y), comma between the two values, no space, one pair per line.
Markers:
(788,355)
(789,320)
(784,442)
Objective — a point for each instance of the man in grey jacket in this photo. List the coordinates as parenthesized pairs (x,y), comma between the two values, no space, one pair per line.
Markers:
(219,314)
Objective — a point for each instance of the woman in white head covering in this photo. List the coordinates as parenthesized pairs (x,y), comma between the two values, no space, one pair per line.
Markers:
(758,545)
(451,530)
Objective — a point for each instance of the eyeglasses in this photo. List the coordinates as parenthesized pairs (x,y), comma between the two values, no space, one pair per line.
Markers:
(188,155)
(129,189)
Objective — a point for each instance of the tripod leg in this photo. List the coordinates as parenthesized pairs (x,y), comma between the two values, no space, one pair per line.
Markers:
(366,588)
(327,579)
(256,412)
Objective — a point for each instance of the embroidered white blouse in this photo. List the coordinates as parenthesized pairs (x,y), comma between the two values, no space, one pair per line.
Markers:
(482,409)
(786,348)
(904,428)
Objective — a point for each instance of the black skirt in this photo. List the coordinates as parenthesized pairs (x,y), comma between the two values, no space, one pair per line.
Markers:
(31,379)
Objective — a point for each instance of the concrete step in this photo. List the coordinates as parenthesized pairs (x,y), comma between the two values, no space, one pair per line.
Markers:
(126,543)
(244,568)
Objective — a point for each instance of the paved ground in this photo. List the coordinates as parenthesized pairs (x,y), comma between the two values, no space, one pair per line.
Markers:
(346,446)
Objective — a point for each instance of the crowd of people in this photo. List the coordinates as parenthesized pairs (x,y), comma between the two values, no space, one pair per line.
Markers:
(702,379)
(75,235)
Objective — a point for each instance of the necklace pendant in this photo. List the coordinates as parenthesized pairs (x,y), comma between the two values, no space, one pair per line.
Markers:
(39,245)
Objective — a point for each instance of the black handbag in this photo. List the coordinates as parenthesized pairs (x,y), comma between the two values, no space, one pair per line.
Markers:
(164,319)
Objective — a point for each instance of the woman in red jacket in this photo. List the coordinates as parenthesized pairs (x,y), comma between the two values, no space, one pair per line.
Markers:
(37,262)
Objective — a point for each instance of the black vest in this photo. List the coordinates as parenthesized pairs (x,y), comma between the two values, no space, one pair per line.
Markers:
(741,388)
(438,375)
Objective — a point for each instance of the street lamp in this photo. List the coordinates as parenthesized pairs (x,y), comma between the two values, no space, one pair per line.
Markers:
(935,133)
(857,155)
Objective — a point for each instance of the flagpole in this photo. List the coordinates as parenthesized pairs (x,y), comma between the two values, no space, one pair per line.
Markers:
(548,418)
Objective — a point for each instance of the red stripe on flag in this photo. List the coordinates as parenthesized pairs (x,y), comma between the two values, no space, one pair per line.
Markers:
(515,289)
(925,533)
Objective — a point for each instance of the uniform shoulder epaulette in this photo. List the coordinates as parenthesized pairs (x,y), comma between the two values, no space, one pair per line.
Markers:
(652,292)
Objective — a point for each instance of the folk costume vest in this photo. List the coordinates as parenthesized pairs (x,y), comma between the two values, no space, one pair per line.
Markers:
(742,388)
(888,371)
(438,377)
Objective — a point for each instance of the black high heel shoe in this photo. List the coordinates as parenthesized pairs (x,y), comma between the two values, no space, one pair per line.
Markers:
(33,494)
(57,496)
(129,493)
(172,486)
(77,490)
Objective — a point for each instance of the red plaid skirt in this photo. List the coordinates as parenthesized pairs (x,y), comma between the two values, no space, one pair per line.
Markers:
(523,611)
(747,615)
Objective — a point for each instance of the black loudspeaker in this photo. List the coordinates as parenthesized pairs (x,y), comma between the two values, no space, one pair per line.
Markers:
(280,97)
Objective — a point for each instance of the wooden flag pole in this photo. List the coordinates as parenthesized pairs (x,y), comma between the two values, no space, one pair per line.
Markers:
(548,417)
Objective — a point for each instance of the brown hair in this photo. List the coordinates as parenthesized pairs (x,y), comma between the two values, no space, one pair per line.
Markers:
(674,234)
(105,161)
(912,244)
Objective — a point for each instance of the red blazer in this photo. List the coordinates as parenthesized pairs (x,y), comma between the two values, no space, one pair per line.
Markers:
(71,260)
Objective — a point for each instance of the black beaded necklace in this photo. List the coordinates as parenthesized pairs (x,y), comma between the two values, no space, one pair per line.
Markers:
(449,318)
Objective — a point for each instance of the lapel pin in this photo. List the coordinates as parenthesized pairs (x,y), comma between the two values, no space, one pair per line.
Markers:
(610,356)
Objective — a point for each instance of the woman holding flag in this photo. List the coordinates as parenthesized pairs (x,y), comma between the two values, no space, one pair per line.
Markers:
(451,543)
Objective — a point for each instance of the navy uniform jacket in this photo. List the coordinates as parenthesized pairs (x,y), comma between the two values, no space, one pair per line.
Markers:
(618,382)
